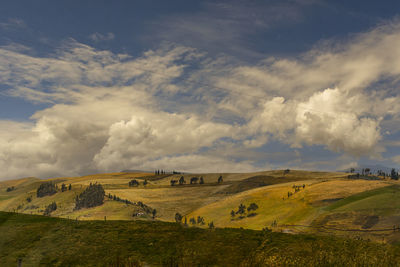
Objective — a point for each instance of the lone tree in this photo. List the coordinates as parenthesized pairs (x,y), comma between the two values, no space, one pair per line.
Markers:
(133,183)
(69,187)
(394,175)
(63,188)
(201,180)
(92,196)
(220,180)
(46,189)
(178,217)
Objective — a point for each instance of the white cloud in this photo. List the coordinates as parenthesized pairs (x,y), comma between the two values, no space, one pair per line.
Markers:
(110,112)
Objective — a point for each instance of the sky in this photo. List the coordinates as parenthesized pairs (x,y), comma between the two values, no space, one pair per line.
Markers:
(197,86)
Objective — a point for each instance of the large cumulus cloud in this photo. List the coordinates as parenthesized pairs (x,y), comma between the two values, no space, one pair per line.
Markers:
(176,108)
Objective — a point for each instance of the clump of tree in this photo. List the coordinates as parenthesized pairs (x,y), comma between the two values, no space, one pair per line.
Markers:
(50,208)
(92,196)
(133,182)
(286,171)
(46,189)
(242,212)
(9,189)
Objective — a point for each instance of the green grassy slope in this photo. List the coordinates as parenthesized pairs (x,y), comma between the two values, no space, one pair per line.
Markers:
(46,241)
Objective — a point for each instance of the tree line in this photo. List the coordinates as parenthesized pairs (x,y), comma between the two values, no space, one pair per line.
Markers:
(193,180)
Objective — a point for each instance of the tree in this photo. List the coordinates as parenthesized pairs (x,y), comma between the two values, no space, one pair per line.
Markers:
(201,180)
(252,206)
(232,213)
(220,180)
(185,221)
(178,217)
(145,182)
(211,225)
(242,209)
(29,199)
(173,182)
(46,189)
(63,188)
(200,220)
(352,170)
(134,182)
(394,175)
(192,221)
(182,180)
(154,212)
(69,187)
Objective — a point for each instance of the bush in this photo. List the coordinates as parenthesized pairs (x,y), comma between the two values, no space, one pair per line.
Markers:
(46,189)
(93,196)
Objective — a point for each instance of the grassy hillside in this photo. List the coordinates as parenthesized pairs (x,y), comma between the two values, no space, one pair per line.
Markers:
(46,241)
(326,200)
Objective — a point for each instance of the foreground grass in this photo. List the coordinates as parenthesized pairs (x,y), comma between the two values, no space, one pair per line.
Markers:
(45,241)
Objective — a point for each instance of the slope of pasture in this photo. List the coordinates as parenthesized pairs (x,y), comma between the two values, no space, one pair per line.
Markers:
(373,209)
(170,200)
(275,205)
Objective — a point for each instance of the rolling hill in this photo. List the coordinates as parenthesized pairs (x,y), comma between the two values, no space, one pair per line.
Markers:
(294,201)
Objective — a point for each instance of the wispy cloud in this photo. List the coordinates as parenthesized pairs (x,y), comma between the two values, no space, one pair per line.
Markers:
(226,26)
(12,24)
(97,37)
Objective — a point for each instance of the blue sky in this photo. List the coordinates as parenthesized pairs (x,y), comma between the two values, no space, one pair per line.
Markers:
(93,86)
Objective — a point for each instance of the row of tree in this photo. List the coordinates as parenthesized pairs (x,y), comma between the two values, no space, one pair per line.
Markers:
(199,220)
(193,180)
(367,171)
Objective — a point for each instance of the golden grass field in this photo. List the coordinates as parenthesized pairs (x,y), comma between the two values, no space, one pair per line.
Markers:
(312,205)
